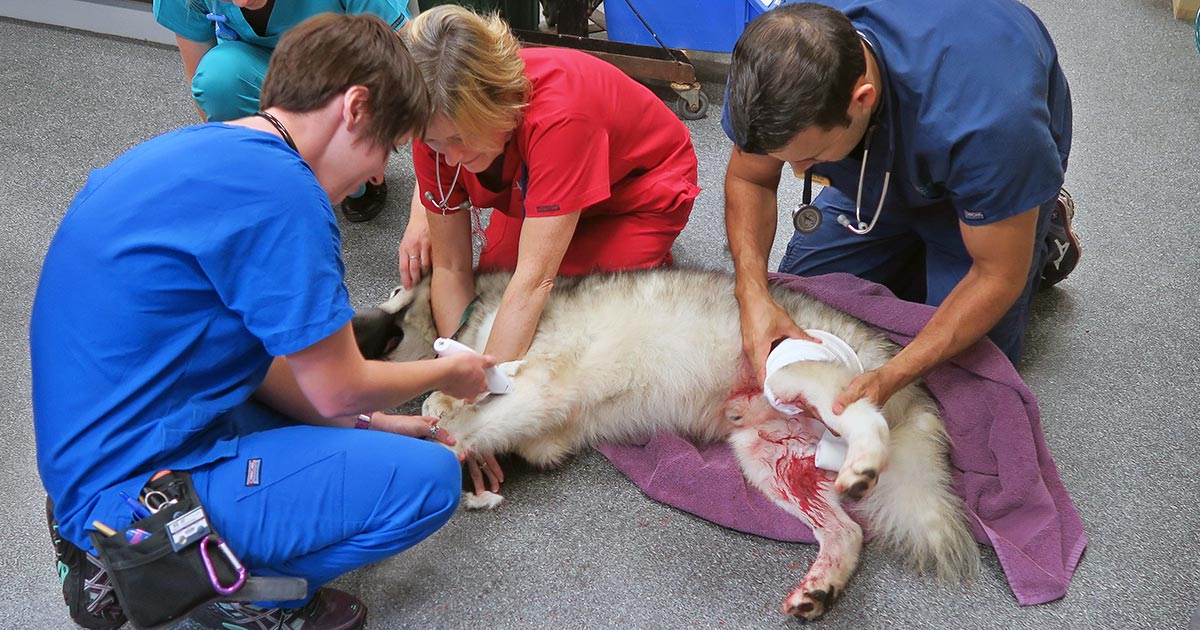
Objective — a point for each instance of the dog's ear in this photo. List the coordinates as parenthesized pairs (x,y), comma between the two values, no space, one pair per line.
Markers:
(399,300)
(376,332)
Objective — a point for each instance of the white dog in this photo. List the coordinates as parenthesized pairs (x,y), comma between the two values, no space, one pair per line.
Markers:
(618,357)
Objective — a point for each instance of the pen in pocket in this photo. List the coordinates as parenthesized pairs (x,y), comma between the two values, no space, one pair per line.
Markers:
(136,535)
(139,511)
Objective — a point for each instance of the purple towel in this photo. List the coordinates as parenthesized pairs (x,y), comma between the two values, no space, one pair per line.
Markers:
(1002,467)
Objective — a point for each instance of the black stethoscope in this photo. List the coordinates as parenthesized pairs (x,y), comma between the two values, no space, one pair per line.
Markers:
(807,218)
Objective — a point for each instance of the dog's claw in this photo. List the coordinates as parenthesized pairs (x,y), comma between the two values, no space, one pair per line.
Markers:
(811,605)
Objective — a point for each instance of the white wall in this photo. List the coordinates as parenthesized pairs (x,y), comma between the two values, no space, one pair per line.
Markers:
(123,18)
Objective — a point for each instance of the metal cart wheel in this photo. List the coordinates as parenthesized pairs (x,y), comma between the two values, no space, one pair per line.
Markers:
(692,103)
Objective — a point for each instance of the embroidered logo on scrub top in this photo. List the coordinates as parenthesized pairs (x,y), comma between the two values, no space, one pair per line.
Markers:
(974,215)
(253,471)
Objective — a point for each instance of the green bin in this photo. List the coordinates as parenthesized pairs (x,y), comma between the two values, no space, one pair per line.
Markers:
(520,14)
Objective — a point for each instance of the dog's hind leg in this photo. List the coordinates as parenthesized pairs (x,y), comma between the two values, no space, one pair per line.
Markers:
(777,457)
(814,385)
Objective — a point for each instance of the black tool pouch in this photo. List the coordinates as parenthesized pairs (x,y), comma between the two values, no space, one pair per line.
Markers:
(161,578)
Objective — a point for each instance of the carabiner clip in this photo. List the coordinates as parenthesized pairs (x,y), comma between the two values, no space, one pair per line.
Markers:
(212,574)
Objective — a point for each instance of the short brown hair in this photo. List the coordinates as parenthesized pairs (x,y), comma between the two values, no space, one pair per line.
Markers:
(793,68)
(472,70)
(327,54)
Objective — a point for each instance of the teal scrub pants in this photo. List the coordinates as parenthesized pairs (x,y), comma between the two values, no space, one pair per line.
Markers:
(229,79)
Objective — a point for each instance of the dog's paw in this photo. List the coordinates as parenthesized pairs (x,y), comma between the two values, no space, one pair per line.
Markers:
(856,479)
(808,603)
(439,405)
(483,501)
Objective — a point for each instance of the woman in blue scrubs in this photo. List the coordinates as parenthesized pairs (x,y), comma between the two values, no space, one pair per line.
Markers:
(226,45)
(941,131)
(197,319)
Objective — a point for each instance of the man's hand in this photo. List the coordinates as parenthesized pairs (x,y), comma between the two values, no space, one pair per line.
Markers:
(876,386)
(415,250)
(763,323)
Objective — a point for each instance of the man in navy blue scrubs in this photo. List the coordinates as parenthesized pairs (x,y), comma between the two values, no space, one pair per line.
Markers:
(941,130)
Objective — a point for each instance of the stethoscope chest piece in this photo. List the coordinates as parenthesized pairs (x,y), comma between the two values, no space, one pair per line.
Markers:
(806,218)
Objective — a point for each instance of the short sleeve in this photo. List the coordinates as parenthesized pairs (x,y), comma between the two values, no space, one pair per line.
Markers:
(185,18)
(568,162)
(1002,157)
(277,263)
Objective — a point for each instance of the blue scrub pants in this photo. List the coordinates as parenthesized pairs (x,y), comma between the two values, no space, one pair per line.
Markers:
(326,500)
(905,244)
(229,78)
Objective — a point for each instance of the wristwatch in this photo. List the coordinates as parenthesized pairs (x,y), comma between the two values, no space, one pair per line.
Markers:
(363,421)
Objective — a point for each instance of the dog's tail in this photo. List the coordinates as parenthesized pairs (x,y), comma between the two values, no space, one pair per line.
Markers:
(913,508)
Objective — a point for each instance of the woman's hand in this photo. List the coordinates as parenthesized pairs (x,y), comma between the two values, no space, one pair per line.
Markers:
(465,378)
(415,250)
(423,427)
(485,472)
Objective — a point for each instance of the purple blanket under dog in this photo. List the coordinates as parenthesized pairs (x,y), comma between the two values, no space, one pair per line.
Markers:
(1002,467)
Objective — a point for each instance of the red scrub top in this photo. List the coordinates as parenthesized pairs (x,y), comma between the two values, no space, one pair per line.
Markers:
(591,140)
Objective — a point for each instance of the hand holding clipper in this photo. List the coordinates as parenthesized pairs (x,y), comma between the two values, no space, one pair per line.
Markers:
(498,382)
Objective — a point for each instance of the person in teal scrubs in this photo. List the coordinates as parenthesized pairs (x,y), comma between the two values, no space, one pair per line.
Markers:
(226,46)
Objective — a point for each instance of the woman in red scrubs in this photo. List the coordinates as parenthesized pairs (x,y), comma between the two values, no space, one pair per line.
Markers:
(586,170)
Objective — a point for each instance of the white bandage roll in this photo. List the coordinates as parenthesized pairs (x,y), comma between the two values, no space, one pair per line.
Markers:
(831,450)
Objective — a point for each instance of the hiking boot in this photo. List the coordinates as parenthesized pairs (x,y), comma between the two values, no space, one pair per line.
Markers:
(89,594)
(1063,242)
(329,609)
(366,206)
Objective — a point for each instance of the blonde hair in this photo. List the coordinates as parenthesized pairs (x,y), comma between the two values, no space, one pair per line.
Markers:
(472,71)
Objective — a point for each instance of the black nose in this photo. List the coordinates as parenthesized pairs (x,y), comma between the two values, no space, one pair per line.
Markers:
(376,332)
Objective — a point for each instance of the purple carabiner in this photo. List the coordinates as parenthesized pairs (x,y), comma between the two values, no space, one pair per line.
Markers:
(212,574)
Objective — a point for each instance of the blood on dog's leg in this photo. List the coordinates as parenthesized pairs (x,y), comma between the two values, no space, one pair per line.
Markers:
(839,538)
(814,385)
(777,456)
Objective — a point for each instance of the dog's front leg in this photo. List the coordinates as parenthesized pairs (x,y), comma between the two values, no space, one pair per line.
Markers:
(814,385)
(778,457)
(532,421)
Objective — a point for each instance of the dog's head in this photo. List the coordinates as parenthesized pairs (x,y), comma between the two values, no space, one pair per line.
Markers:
(401,328)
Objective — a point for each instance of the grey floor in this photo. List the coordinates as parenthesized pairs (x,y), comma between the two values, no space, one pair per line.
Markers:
(1112,356)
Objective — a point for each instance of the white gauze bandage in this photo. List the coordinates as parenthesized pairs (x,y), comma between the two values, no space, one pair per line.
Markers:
(831,449)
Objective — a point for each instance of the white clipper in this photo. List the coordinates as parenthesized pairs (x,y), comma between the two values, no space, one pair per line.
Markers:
(498,382)
(831,449)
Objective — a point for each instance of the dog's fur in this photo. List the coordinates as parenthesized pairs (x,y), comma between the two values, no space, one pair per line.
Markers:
(618,357)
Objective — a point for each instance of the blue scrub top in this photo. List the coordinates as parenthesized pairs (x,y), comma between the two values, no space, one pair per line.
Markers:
(975,110)
(176,275)
(186,17)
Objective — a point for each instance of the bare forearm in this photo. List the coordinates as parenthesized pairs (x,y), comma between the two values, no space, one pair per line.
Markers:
(750,217)
(518,316)
(375,385)
(451,292)
(964,317)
